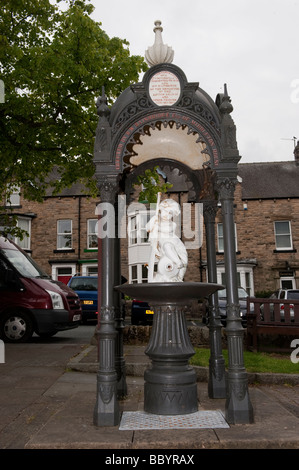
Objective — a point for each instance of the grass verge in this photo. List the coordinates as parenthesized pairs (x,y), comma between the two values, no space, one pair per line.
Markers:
(254,362)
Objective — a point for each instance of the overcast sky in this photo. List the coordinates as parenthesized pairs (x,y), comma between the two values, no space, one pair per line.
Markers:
(252,45)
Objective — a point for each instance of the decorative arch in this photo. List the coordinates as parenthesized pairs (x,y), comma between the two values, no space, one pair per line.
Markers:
(164,128)
(177,173)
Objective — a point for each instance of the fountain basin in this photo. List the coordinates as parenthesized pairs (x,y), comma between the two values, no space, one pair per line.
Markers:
(180,292)
(170,383)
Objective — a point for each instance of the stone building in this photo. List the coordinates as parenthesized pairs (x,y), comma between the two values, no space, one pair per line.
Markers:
(63,231)
(267,222)
(62,237)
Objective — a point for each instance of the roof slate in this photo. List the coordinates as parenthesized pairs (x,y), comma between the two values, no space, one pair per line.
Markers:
(269,180)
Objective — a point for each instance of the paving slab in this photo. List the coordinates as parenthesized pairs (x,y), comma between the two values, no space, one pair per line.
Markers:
(72,425)
(52,408)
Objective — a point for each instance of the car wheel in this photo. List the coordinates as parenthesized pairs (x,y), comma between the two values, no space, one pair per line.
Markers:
(16,327)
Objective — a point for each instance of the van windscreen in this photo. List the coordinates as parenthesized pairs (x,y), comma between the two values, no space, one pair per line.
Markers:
(23,264)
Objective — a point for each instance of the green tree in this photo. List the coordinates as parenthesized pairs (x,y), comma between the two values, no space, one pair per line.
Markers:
(152,182)
(53,64)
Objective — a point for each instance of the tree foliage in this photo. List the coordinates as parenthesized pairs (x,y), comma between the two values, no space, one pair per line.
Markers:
(153,182)
(53,63)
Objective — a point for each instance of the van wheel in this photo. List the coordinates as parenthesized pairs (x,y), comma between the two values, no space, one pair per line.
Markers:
(16,327)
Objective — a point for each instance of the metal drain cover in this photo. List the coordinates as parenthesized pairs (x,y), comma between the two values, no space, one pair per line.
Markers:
(137,420)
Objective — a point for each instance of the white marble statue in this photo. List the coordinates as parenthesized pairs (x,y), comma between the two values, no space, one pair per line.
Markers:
(167,250)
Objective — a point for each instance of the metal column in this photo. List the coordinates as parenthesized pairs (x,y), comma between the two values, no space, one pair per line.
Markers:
(120,364)
(216,384)
(106,412)
(238,407)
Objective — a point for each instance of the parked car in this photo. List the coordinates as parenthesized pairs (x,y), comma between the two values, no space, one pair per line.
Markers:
(30,301)
(222,300)
(285,294)
(86,287)
(141,313)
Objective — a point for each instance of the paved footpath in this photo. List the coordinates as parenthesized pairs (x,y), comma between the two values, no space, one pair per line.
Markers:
(49,404)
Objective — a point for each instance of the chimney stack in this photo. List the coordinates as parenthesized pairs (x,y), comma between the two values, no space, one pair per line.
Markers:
(296,152)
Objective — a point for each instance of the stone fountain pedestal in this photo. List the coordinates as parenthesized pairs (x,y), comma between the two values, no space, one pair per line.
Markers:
(170,383)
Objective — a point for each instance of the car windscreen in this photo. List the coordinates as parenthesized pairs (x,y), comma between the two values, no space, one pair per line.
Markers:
(293,295)
(222,293)
(78,283)
(24,264)
(242,294)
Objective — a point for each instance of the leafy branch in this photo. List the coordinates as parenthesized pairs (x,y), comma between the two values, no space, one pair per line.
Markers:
(152,185)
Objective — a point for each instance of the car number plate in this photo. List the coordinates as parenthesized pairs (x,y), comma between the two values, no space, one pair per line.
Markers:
(88,302)
(149,312)
(77,317)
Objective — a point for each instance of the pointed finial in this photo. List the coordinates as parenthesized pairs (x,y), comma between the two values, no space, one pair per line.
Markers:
(159,53)
(103,109)
(226,107)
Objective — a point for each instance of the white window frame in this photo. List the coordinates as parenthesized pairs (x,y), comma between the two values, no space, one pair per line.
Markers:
(91,234)
(289,234)
(244,276)
(55,268)
(140,269)
(14,198)
(287,278)
(85,268)
(132,229)
(221,238)
(60,234)
(139,247)
(133,279)
(26,242)
(139,229)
